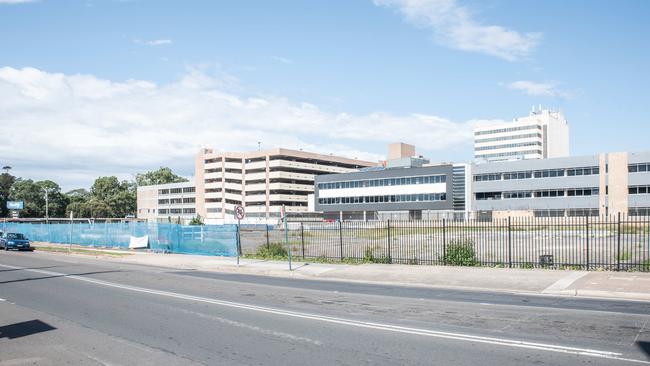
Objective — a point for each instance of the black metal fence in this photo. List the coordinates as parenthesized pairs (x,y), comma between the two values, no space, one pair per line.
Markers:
(610,243)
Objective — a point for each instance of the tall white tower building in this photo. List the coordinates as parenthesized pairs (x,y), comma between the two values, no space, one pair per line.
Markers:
(542,134)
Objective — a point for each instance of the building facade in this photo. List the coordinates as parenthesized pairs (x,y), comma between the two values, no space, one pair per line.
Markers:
(605,184)
(410,193)
(174,202)
(541,135)
(261,181)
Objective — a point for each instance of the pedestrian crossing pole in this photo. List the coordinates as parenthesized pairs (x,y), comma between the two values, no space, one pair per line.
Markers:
(286,235)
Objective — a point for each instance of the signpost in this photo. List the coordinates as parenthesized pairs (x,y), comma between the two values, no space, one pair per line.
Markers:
(286,234)
(15,207)
(240,213)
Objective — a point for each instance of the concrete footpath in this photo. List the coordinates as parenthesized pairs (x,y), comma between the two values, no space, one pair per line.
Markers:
(613,285)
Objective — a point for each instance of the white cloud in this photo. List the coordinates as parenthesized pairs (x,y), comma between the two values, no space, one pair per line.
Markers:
(154,42)
(454,26)
(548,89)
(73,128)
(283,60)
(17,1)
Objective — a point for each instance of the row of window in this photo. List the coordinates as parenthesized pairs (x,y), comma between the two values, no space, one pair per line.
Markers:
(164,211)
(509,129)
(176,190)
(633,168)
(549,173)
(508,146)
(428,179)
(506,154)
(639,211)
(639,190)
(480,196)
(574,212)
(422,197)
(506,138)
(172,201)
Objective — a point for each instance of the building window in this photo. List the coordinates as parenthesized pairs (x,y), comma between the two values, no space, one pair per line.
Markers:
(421,197)
(480,196)
(509,129)
(635,168)
(582,171)
(386,182)
(639,190)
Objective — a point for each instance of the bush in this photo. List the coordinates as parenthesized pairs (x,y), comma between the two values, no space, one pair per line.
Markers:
(460,252)
(274,250)
(197,220)
(369,257)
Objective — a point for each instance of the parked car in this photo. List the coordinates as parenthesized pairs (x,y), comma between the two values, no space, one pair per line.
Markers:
(16,241)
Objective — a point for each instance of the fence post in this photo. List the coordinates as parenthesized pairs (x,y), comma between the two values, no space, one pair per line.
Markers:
(587,238)
(509,242)
(618,242)
(302,239)
(390,257)
(444,241)
(341,237)
(268,243)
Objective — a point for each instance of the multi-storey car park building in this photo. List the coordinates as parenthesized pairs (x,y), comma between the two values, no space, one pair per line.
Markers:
(167,202)
(543,134)
(605,184)
(261,181)
(406,188)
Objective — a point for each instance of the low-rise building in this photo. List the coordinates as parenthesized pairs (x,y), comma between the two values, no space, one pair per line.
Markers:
(603,184)
(172,202)
(408,187)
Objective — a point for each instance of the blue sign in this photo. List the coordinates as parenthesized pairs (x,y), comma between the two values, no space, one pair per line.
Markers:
(15,205)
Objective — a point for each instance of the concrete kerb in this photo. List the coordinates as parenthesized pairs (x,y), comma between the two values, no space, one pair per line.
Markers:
(535,282)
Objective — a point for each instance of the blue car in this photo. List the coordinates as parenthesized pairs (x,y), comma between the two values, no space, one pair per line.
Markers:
(16,241)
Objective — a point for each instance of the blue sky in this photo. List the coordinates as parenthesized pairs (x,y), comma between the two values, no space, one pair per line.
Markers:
(89,80)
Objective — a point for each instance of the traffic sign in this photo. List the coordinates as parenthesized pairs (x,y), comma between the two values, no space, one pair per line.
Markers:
(239,212)
(15,205)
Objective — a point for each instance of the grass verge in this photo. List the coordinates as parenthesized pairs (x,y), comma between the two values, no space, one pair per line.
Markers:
(94,252)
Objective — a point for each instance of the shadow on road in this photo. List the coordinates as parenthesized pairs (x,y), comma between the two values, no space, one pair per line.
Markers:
(55,276)
(23,329)
(645,347)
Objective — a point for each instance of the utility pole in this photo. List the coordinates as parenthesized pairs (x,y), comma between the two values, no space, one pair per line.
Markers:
(47,213)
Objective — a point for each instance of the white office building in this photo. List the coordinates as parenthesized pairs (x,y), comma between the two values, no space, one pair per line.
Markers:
(542,134)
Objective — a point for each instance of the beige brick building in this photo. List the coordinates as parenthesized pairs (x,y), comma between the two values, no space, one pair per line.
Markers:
(261,181)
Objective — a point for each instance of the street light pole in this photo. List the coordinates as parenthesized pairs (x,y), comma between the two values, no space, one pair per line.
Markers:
(47,213)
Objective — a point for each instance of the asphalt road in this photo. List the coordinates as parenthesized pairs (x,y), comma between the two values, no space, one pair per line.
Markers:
(57,309)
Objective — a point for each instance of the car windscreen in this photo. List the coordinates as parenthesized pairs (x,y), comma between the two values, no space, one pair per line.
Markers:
(15,236)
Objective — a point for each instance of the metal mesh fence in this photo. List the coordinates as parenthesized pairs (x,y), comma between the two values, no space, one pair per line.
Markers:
(174,238)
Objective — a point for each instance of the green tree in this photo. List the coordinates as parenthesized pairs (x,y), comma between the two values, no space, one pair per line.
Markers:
(161,176)
(30,193)
(33,195)
(57,201)
(197,220)
(6,181)
(118,197)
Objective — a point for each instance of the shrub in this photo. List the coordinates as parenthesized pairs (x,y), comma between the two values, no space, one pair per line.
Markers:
(369,257)
(197,220)
(460,252)
(274,250)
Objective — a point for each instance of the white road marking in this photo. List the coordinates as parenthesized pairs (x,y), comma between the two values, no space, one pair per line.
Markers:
(254,328)
(565,282)
(354,323)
